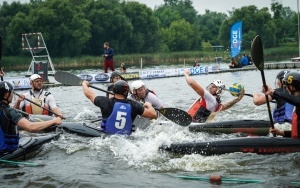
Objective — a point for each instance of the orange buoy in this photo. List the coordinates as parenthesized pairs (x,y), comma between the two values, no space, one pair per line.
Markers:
(215,179)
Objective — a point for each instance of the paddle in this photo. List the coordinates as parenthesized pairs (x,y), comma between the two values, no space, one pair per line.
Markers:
(38,105)
(246,94)
(1,71)
(220,179)
(20,163)
(257,54)
(178,116)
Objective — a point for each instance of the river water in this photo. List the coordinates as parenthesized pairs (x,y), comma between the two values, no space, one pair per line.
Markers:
(135,161)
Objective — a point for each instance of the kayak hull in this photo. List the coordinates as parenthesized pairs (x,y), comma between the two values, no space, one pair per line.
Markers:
(259,145)
(82,129)
(254,127)
(29,147)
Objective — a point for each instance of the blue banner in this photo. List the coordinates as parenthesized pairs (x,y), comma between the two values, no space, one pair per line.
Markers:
(236,39)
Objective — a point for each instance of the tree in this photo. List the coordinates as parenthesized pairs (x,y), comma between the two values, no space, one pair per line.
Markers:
(255,22)
(208,26)
(179,36)
(64,35)
(145,25)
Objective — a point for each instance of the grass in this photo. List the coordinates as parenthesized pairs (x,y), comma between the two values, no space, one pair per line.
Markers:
(21,63)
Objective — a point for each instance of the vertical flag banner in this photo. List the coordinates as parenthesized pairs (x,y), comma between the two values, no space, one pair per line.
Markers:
(236,39)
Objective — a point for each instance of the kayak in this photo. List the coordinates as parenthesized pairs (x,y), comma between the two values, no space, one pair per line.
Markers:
(82,129)
(259,145)
(254,127)
(29,147)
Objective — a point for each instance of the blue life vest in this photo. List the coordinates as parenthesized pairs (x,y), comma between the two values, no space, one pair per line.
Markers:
(120,121)
(283,114)
(8,142)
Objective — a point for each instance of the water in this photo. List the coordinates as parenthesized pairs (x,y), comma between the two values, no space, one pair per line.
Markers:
(117,161)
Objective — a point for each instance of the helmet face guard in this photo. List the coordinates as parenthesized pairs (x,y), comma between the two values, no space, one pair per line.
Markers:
(5,87)
(292,79)
(280,77)
(220,86)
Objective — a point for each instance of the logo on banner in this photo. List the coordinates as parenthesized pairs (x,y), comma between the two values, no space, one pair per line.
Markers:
(86,77)
(101,77)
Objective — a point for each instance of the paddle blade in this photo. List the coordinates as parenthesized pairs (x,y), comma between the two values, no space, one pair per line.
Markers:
(176,115)
(257,53)
(67,78)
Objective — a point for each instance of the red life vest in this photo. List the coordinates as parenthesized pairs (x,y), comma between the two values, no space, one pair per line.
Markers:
(199,112)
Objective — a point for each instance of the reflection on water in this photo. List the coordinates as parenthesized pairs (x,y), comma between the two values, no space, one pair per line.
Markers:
(134,161)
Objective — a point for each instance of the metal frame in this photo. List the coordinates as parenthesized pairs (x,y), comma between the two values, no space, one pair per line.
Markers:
(41,45)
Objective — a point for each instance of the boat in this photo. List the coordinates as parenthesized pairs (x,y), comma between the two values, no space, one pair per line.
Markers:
(253,127)
(258,145)
(82,129)
(29,147)
(295,59)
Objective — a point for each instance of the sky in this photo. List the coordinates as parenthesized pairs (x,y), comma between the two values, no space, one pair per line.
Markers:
(214,5)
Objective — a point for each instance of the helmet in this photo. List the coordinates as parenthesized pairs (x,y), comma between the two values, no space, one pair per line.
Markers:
(114,74)
(293,79)
(5,87)
(279,77)
(282,73)
(220,85)
(137,84)
(34,77)
(121,87)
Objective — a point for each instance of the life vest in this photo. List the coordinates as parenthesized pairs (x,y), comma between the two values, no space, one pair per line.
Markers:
(120,121)
(295,126)
(284,113)
(199,112)
(8,142)
(34,109)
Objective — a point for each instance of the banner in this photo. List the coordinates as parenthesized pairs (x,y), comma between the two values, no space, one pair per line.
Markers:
(236,39)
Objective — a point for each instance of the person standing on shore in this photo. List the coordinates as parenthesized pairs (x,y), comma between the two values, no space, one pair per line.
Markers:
(108,58)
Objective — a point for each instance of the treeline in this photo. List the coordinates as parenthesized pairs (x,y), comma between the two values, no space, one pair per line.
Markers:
(80,27)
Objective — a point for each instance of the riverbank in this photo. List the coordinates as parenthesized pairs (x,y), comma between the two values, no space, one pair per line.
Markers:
(21,63)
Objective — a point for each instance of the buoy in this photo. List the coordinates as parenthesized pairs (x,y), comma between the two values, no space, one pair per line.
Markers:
(215,179)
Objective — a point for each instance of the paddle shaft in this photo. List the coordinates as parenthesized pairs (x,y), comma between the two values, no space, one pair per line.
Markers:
(38,105)
(19,163)
(250,95)
(267,98)
(257,53)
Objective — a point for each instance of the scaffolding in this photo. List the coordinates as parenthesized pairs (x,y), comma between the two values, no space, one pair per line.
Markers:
(34,42)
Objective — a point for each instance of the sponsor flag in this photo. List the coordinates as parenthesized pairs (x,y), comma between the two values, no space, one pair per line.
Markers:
(236,39)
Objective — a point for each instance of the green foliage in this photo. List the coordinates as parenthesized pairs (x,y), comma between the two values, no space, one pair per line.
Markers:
(206,46)
(73,28)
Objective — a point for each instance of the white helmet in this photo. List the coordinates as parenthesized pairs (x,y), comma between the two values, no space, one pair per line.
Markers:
(34,77)
(220,85)
(136,85)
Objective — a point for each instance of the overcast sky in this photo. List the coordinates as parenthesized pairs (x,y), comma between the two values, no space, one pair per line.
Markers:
(215,5)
